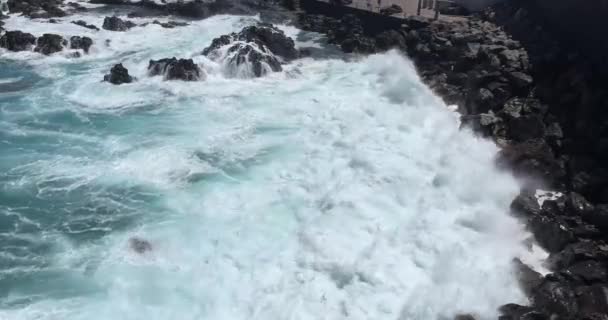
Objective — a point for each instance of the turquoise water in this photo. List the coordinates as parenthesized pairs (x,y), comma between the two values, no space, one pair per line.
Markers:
(338,188)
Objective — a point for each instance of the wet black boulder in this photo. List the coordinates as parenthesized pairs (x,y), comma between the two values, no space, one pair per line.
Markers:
(83,43)
(17,41)
(260,62)
(174,69)
(390,39)
(271,37)
(116,24)
(265,36)
(118,75)
(37,8)
(83,23)
(50,43)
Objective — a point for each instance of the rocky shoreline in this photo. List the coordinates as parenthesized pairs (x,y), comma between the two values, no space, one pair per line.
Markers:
(513,81)
(516,83)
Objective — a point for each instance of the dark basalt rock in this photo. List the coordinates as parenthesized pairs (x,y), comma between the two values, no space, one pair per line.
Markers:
(555,297)
(17,41)
(271,37)
(116,24)
(551,233)
(513,311)
(526,127)
(391,39)
(358,44)
(263,46)
(533,158)
(588,271)
(174,69)
(598,217)
(170,24)
(83,43)
(77,6)
(259,61)
(577,205)
(83,23)
(50,43)
(264,36)
(529,279)
(37,8)
(118,75)
(140,245)
(526,205)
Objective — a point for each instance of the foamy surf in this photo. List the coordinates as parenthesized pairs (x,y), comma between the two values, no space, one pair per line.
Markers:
(332,190)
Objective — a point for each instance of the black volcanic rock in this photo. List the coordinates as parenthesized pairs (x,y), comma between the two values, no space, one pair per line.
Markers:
(116,24)
(263,47)
(551,233)
(263,36)
(390,39)
(174,69)
(17,41)
(83,43)
(598,217)
(556,297)
(118,75)
(170,24)
(37,8)
(83,23)
(532,158)
(50,43)
(529,279)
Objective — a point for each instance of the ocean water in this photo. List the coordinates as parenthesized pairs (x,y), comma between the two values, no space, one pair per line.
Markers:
(340,188)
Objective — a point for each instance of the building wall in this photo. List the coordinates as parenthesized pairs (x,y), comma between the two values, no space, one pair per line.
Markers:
(476,4)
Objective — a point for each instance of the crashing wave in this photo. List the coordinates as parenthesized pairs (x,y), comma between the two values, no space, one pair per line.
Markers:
(253,52)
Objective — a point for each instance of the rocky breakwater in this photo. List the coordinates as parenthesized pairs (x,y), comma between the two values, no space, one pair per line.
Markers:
(502,90)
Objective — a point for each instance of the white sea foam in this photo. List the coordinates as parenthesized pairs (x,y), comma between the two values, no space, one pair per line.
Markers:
(332,190)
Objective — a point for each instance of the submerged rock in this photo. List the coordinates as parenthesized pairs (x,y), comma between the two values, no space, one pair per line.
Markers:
(83,43)
(17,41)
(170,24)
(50,43)
(140,245)
(83,23)
(116,24)
(174,69)
(118,75)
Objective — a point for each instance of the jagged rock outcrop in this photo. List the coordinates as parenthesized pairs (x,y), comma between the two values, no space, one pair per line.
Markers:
(116,24)
(37,8)
(83,43)
(50,43)
(17,41)
(256,49)
(174,69)
(118,75)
